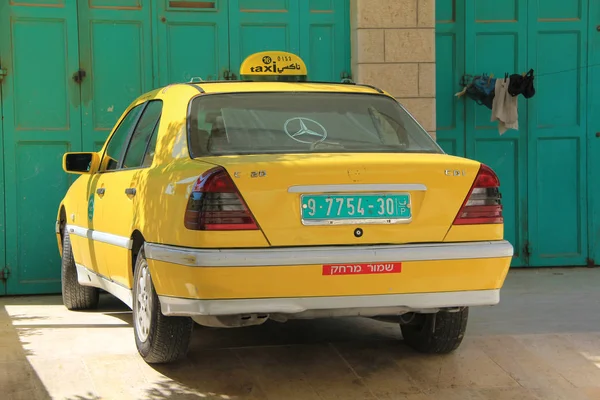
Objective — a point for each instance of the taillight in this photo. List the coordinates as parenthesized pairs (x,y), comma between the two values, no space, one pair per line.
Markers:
(216,204)
(483,204)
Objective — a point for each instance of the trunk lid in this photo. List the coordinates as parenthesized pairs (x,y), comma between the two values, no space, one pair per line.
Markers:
(350,199)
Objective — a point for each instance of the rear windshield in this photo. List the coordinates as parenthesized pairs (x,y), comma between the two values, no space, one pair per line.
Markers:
(286,123)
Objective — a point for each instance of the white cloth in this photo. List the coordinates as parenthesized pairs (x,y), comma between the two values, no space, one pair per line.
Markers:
(505,107)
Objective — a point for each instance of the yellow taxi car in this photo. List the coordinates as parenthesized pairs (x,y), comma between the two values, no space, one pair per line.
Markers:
(230,203)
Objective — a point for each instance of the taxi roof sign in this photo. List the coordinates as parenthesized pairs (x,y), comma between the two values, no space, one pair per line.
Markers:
(274,66)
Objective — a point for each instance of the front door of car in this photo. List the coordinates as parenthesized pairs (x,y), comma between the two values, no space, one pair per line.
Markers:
(128,154)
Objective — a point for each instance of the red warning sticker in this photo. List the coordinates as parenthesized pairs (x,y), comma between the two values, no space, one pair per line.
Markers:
(362,269)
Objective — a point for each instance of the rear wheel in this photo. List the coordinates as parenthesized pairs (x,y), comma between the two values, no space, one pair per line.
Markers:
(438,333)
(74,295)
(159,339)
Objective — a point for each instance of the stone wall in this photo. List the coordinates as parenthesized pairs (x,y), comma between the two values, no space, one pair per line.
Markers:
(393,47)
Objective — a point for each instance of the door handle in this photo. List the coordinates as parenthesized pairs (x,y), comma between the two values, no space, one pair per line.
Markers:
(100,191)
(130,191)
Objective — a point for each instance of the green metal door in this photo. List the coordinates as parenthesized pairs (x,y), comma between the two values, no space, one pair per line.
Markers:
(543,165)
(325,38)
(317,30)
(557,128)
(115,42)
(3,271)
(73,67)
(42,121)
(593,136)
(193,40)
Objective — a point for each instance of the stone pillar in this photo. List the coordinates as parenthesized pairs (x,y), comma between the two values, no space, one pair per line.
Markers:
(393,47)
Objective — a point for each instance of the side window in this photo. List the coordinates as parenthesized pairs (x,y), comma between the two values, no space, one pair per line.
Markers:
(149,156)
(143,134)
(115,147)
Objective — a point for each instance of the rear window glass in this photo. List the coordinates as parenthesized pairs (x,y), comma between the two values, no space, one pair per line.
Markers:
(286,123)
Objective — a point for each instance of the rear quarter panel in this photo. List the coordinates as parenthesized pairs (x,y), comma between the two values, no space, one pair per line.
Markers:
(163,197)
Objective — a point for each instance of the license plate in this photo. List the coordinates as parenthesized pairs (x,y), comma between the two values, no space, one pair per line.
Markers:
(355,209)
(362,269)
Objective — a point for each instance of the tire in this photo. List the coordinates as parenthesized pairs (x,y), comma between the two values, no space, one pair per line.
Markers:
(442,338)
(159,339)
(74,295)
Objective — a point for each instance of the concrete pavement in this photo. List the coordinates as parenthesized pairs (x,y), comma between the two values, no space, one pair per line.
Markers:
(542,342)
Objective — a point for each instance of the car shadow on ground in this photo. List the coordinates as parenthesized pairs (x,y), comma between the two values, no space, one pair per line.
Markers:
(17,376)
(349,358)
(343,358)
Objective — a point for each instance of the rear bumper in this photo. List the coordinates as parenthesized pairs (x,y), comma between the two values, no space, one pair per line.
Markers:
(327,254)
(368,306)
(291,281)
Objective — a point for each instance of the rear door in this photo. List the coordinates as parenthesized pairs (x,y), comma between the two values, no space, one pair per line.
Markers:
(114,219)
(41,121)
(106,246)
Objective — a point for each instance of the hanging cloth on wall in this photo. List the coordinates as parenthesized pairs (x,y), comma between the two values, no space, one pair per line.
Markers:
(505,107)
(522,84)
(481,90)
(499,95)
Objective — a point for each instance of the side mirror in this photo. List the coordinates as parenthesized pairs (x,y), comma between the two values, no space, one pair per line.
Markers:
(81,163)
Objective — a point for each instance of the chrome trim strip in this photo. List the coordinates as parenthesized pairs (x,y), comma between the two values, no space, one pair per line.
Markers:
(103,237)
(371,221)
(326,254)
(402,187)
(78,231)
(90,278)
(172,306)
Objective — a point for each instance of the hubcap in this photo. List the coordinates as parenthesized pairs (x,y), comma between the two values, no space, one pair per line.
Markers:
(144,304)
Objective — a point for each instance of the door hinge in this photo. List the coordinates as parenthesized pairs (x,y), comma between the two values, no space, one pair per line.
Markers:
(591,262)
(229,76)
(527,250)
(3,73)
(4,273)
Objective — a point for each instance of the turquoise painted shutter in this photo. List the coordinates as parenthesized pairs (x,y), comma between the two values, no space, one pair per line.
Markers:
(260,25)
(325,38)
(543,167)
(42,121)
(318,31)
(450,60)
(192,42)
(3,53)
(593,136)
(557,130)
(116,54)
(496,42)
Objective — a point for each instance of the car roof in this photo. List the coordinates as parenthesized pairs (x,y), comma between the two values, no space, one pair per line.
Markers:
(253,86)
(214,87)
